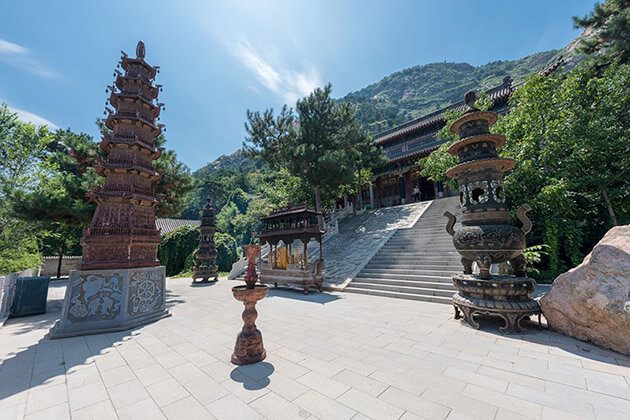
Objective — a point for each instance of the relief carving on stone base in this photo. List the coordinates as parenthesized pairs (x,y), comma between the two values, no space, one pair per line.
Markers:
(95,297)
(145,292)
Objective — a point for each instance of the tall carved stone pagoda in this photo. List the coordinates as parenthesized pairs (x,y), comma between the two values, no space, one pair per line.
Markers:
(486,236)
(205,255)
(120,283)
(123,232)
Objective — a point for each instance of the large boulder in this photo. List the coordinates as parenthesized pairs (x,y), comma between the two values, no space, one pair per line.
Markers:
(592,302)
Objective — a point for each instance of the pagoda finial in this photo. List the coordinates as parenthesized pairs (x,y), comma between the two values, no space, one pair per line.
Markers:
(470,98)
(140,49)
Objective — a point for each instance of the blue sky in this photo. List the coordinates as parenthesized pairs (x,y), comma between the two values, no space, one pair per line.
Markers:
(220,58)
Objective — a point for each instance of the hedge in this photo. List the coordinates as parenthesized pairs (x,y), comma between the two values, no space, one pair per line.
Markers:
(176,248)
(226,246)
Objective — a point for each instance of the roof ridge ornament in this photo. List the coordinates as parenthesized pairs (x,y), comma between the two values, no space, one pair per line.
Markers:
(470,98)
(140,50)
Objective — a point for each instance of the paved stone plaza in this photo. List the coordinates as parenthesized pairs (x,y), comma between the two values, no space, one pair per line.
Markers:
(330,356)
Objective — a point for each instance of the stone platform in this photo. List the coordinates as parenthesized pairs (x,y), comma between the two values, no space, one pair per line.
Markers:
(363,357)
(101,301)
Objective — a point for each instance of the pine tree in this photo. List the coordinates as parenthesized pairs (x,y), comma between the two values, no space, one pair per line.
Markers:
(610,24)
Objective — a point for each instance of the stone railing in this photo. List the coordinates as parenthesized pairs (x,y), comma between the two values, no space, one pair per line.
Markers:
(7,292)
(239,266)
(68,262)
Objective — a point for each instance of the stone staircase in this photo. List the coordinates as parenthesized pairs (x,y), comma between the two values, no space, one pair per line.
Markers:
(415,263)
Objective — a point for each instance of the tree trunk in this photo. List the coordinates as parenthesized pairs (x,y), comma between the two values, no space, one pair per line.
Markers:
(318,206)
(611,212)
(59,263)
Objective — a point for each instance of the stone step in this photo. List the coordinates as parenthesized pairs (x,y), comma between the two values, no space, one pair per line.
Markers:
(416,255)
(408,256)
(442,285)
(416,263)
(440,279)
(417,272)
(421,237)
(400,295)
(435,283)
(420,241)
(438,260)
(446,282)
(417,251)
(451,266)
(440,230)
(418,290)
(420,246)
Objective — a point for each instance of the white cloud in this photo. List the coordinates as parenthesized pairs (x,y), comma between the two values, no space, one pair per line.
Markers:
(27,116)
(289,84)
(21,57)
(7,47)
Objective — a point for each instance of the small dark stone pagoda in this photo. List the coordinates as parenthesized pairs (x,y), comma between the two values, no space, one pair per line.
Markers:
(486,236)
(120,283)
(205,255)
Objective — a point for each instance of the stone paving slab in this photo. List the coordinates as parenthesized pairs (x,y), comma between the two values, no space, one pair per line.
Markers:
(330,356)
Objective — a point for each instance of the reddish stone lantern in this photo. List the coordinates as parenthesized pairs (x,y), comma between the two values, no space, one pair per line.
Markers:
(120,283)
(249,343)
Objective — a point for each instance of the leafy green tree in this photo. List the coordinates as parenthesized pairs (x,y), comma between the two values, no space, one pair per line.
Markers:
(368,155)
(226,251)
(174,185)
(56,201)
(435,165)
(569,135)
(19,249)
(226,216)
(319,143)
(22,146)
(220,187)
(280,188)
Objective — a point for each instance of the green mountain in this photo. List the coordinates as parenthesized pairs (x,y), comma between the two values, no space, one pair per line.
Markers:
(234,161)
(410,93)
(419,90)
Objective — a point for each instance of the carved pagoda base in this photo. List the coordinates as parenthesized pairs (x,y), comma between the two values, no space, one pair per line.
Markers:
(249,343)
(207,275)
(292,277)
(103,301)
(506,297)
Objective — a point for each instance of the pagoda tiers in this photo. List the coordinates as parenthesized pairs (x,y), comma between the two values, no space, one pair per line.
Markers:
(123,233)
(120,283)
(205,256)
(288,265)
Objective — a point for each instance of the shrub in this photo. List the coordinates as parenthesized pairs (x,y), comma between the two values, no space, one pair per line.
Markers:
(226,247)
(176,246)
(18,249)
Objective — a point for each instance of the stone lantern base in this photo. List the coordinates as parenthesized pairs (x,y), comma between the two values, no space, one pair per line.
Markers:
(504,296)
(103,301)
(249,347)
